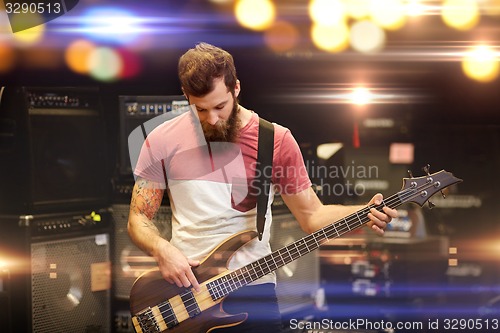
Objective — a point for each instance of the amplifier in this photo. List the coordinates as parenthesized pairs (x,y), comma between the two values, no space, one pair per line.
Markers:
(5,312)
(53,148)
(298,283)
(134,111)
(129,260)
(60,273)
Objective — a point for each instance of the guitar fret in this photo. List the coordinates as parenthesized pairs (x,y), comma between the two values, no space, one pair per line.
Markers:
(360,222)
(347,224)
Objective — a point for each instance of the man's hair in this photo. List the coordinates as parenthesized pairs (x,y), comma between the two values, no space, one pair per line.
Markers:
(199,66)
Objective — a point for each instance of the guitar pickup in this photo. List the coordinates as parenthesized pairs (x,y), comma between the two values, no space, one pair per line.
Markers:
(190,304)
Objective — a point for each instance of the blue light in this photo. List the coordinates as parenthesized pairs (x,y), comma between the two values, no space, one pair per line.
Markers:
(110,24)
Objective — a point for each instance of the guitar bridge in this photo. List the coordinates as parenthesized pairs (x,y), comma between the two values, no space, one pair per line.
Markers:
(147,321)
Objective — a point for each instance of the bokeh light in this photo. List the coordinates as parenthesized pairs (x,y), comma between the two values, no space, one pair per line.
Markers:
(327,12)
(105,64)
(415,8)
(481,64)
(255,14)
(7,57)
(77,55)
(357,9)
(333,38)
(281,37)
(367,37)
(131,63)
(389,14)
(460,14)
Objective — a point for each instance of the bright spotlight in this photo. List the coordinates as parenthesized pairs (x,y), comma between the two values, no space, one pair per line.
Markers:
(361,96)
(110,25)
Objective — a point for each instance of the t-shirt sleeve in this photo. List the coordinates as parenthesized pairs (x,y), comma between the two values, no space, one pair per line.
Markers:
(150,164)
(289,171)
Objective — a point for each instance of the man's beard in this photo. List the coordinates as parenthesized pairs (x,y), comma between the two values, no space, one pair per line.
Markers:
(224,130)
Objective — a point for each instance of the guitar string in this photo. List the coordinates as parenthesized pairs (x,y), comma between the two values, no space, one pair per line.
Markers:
(401,196)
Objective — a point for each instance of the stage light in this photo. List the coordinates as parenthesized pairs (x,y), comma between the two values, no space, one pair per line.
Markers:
(327,12)
(481,64)
(389,14)
(109,24)
(78,54)
(460,14)
(367,37)
(255,14)
(361,96)
(330,38)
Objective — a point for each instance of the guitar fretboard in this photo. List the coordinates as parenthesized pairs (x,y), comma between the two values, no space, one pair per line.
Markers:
(238,278)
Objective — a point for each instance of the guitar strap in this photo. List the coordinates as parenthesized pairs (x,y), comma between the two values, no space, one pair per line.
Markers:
(264,171)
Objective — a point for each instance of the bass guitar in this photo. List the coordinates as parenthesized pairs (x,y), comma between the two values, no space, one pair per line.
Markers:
(158,306)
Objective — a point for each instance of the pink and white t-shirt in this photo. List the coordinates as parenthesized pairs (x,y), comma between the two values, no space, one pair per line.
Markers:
(210,185)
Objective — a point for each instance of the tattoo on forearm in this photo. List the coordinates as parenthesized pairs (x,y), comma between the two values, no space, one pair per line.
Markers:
(146,199)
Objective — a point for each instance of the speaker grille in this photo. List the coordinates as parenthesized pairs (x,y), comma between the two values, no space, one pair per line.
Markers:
(130,261)
(297,282)
(69,285)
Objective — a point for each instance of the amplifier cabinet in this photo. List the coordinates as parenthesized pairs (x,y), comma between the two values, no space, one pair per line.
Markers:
(299,281)
(60,280)
(53,148)
(129,261)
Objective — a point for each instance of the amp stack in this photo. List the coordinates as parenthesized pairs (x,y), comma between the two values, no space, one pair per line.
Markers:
(55,239)
(138,116)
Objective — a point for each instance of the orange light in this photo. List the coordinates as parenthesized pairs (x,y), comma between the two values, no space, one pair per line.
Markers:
(77,56)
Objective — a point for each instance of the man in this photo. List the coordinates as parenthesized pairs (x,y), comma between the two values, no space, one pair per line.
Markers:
(205,159)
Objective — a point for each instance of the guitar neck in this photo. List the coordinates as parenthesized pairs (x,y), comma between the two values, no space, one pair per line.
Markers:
(238,278)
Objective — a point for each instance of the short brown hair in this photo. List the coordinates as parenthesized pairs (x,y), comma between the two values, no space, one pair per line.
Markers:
(199,66)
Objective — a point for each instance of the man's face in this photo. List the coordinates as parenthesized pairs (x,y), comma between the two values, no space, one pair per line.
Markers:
(218,113)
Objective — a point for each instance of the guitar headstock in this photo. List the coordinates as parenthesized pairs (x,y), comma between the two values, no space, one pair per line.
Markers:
(419,189)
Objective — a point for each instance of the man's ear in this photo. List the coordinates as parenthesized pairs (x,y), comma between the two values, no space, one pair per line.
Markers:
(185,95)
(237,88)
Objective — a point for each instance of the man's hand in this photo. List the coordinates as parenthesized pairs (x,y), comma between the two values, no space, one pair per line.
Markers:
(378,220)
(175,267)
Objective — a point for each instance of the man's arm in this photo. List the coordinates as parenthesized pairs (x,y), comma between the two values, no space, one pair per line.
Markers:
(313,215)
(145,202)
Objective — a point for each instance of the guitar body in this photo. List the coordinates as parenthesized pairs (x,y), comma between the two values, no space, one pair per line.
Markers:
(151,289)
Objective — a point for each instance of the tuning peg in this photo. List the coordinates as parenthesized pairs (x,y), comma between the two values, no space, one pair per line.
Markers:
(431,204)
(443,194)
(410,174)
(427,169)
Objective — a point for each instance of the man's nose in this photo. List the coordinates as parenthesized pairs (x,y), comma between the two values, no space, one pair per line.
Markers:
(212,118)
